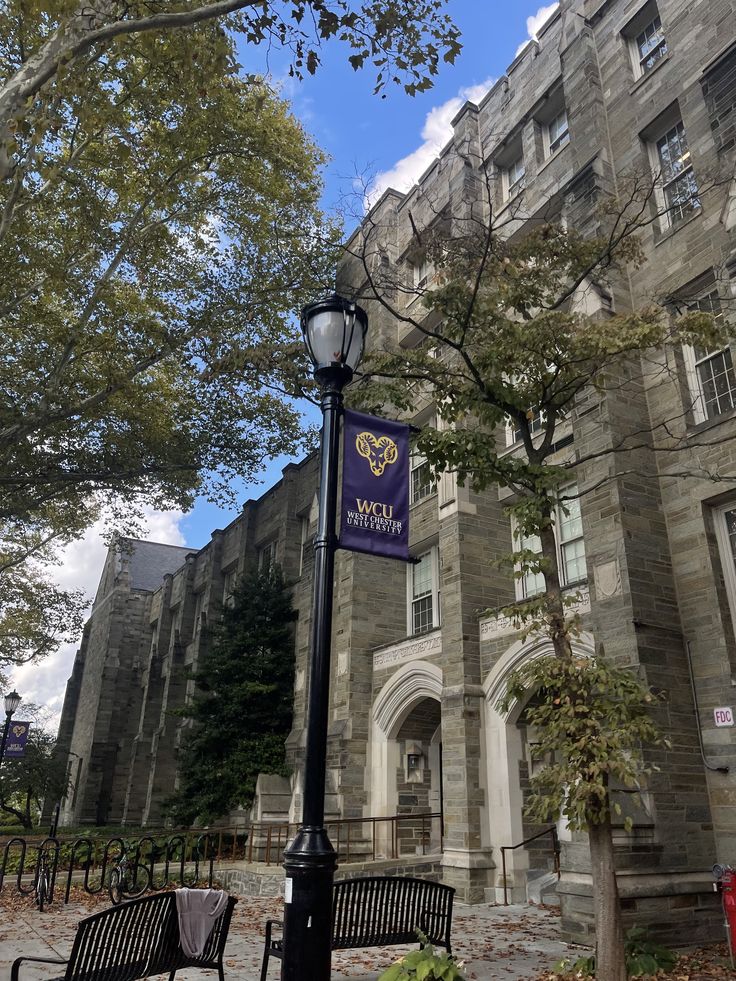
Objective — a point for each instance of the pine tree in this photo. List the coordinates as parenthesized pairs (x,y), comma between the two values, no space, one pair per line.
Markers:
(241,712)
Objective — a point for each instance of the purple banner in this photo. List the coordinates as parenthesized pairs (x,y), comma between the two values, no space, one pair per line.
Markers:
(375,486)
(17,738)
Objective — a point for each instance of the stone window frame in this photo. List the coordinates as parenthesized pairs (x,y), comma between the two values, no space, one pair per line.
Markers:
(413,611)
(667,133)
(727,556)
(513,178)
(422,272)
(267,555)
(198,610)
(303,539)
(562,137)
(646,19)
(513,433)
(702,292)
(695,360)
(520,583)
(421,484)
(418,465)
(551,108)
(230,577)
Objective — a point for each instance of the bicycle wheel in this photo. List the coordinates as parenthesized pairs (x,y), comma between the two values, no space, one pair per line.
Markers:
(137,881)
(115,887)
(42,890)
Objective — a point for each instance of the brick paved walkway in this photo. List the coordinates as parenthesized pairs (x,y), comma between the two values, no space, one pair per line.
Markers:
(513,943)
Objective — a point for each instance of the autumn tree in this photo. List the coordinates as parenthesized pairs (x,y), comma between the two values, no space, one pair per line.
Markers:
(515,329)
(241,711)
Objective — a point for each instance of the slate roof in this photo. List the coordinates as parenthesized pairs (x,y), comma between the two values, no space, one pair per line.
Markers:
(148,562)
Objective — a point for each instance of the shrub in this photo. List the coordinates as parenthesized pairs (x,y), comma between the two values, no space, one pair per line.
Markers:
(643,956)
(424,965)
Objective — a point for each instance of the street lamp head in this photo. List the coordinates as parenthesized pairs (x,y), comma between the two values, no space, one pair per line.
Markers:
(334,332)
(12,701)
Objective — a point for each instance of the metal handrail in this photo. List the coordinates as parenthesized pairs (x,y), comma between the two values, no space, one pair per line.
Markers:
(552,830)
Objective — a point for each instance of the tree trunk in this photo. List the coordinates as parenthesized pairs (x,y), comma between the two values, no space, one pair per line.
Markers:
(610,963)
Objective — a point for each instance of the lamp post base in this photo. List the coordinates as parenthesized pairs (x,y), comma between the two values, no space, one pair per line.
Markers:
(310,863)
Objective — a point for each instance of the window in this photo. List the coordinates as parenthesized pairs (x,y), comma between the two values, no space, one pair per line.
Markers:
(228,587)
(725,523)
(422,484)
(267,556)
(304,541)
(423,271)
(650,46)
(557,133)
(678,188)
(198,604)
(570,541)
(570,549)
(424,594)
(646,39)
(513,432)
(711,375)
(514,178)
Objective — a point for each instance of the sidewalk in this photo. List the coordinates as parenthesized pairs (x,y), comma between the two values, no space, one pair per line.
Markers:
(512,943)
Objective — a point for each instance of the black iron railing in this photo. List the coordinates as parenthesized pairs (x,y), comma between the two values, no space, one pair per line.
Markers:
(552,832)
(188,857)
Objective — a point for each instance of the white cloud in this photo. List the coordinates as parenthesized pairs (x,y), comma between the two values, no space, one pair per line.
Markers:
(535,23)
(436,132)
(80,568)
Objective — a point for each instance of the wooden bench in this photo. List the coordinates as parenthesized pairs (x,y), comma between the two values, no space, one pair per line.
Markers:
(133,940)
(381,911)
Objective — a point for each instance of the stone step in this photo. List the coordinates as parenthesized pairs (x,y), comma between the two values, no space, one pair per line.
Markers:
(541,887)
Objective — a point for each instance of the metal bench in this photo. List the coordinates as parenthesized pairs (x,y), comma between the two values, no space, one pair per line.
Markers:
(133,940)
(381,911)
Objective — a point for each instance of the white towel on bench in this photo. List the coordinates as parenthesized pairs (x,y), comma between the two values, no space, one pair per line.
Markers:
(198,910)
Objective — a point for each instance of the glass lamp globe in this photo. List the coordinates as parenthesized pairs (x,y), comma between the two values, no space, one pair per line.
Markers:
(334,332)
(12,701)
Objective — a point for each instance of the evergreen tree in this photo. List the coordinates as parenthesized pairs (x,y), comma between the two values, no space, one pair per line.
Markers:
(241,712)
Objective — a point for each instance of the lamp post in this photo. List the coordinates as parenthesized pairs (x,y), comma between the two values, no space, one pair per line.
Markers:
(334,332)
(12,701)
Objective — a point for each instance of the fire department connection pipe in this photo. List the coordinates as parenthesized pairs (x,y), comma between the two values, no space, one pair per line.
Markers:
(706,764)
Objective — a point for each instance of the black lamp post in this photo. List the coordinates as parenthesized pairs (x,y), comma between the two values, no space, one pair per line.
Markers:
(12,701)
(334,333)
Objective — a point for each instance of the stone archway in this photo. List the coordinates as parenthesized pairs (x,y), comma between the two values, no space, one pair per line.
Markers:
(506,741)
(406,753)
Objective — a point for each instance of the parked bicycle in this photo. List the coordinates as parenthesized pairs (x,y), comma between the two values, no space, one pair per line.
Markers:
(128,880)
(43,879)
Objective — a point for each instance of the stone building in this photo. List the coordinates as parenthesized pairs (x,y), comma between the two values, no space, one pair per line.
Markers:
(609,87)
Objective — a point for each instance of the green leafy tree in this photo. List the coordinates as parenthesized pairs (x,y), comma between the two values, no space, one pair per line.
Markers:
(241,712)
(507,339)
(25,782)
(158,228)
(158,225)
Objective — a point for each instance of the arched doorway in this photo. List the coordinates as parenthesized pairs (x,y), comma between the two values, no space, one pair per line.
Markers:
(509,742)
(406,757)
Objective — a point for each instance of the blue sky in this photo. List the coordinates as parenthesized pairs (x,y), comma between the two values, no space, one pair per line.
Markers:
(393,139)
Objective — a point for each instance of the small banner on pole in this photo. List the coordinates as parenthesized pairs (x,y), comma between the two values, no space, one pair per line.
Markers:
(17,739)
(375,486)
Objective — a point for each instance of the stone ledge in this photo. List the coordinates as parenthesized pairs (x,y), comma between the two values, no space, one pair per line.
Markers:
(634,885)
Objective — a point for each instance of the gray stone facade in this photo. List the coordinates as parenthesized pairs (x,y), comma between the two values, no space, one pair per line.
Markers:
(413,724)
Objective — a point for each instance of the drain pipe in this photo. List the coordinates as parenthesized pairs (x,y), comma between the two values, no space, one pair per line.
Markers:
(706,764)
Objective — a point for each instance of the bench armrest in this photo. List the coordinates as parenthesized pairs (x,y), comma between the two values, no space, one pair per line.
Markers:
(270,924)
(36,960)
